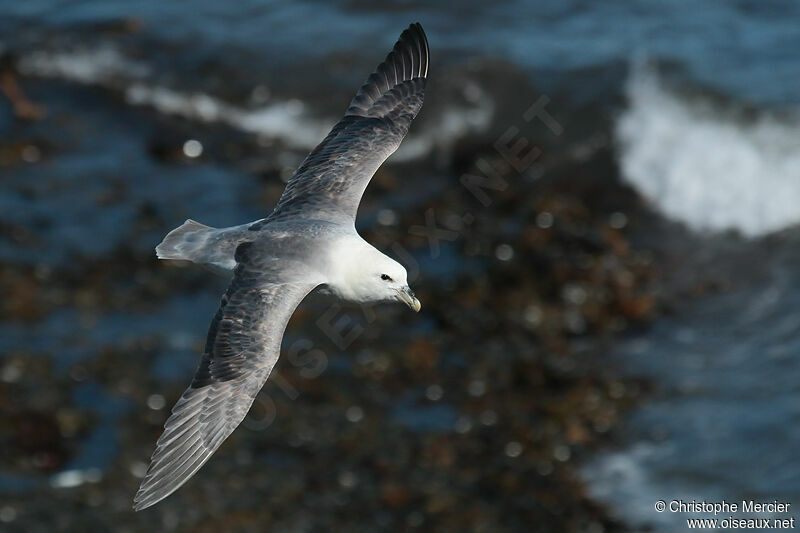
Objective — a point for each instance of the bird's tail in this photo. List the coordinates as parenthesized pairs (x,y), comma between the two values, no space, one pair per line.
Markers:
(204,245)
(188,242)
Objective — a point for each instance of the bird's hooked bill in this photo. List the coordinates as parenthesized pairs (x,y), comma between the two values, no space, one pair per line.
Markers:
(406,295)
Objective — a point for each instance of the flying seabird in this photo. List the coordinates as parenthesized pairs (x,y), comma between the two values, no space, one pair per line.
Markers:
(308,241)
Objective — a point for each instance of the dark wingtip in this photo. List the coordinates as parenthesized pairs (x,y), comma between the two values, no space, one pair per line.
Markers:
(142,502)
(413,39)
(140,506)
(408,60)
(146,497)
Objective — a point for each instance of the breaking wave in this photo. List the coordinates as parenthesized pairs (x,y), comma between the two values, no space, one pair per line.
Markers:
(709,165)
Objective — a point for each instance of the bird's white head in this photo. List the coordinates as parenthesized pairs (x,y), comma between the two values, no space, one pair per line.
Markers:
(364,274)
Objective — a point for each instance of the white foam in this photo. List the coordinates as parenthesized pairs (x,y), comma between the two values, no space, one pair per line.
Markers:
(624,481)
(455,123)
(91,66)
(288,121)
(284,120)
(67,479)
(708,168)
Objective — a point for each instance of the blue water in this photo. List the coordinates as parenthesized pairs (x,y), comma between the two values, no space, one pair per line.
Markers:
(723,422)
(743,48)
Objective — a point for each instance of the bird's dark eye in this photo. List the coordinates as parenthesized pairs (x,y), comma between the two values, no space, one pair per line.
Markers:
(386,277)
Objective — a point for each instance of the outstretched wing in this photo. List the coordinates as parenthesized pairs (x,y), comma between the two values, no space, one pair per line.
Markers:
(243,345)
(330,182)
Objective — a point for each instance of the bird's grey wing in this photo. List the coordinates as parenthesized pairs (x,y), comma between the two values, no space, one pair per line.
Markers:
(330,182)
(242,347)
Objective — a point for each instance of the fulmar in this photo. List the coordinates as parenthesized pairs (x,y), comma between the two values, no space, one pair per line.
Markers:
(308,241)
